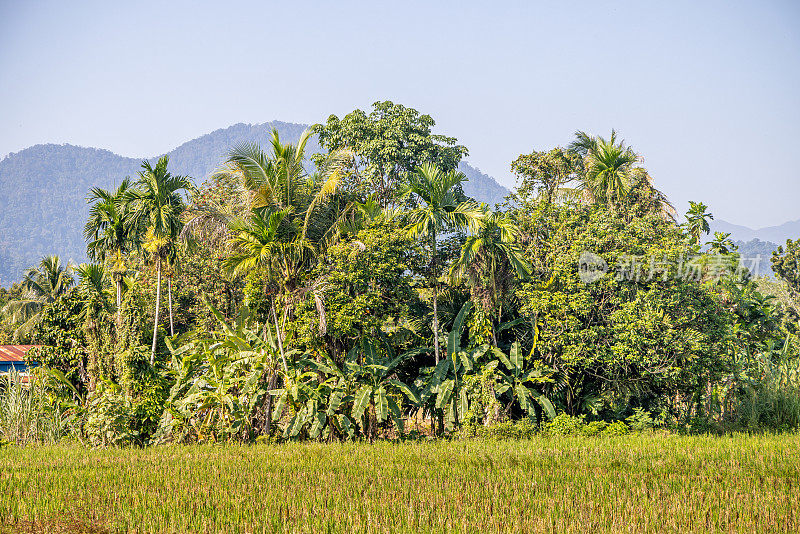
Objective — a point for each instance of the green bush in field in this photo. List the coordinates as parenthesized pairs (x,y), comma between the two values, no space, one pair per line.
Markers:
(565,425)
(523,429)
(110,417)
(569,425)
(640,420)
(617,428)
(594,428)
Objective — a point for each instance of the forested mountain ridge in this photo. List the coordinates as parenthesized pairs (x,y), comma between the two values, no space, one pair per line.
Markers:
(774,234)
(43,188)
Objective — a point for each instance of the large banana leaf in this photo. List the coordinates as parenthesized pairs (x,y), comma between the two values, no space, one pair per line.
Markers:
(516,358)
(445,393)
(361,402)
(454,337)
(381,404)
(397,414)
(407,391)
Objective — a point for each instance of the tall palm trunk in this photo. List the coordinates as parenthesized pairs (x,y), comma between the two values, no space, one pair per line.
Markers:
(119,300)
(273,383)
(440,414)
(169,292)
(435,302)
(155,321)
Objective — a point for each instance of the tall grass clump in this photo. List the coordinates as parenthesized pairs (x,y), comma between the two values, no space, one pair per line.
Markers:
(26,413)
(772,401)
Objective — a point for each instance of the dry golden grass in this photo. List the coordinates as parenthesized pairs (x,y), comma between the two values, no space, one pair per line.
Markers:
(627,484)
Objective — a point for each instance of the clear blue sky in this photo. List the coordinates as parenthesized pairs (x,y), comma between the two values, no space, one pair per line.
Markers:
(707,92)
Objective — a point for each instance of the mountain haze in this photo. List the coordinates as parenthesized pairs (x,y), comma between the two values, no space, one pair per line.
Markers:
(775,234)
(43,188)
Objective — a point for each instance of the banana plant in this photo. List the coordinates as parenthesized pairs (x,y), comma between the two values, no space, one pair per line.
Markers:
(369,368)
(222,380)
(519,378)
(314,405)
(445,384)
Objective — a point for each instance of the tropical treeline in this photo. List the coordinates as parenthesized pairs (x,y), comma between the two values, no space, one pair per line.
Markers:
(358,293)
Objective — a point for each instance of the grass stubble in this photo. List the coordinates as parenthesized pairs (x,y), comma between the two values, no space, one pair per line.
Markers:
(648,483)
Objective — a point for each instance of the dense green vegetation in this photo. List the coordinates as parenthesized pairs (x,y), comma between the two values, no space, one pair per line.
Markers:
(280,303)
(44,188)
(651,483)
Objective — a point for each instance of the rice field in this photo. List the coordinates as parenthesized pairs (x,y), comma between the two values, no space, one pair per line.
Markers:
(651,483)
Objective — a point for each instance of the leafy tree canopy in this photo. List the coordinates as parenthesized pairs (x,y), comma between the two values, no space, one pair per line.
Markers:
(388,142)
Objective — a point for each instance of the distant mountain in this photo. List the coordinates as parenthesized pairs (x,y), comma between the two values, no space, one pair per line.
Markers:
(775,234)
(757,256)
(482,187)
(43,189)
(756,246)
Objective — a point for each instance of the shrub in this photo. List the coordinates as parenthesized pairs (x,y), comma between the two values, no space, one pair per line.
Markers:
(767,407)
(110,417)
(595,428)
(640,421)
(617,428)
(524,429)
(565,425)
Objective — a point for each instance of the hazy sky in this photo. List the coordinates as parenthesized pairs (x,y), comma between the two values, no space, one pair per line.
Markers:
(707,92)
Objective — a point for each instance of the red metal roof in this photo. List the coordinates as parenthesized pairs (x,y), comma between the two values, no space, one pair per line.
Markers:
(14,353)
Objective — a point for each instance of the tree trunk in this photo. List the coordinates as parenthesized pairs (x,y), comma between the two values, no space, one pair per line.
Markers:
(155,320)
(119,301)
(273,381)
(169,292)
(280,341)
(435,302)
(372,423)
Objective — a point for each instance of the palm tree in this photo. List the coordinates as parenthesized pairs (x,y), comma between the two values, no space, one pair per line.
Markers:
(697,221)
(268,180)
(259,245)
(438,210)
(607,166)
(40,286)
(95,306)
(108,232)
(156,206)
(610,176)
(489,261)
(278,181)
(722,244)
(281,215)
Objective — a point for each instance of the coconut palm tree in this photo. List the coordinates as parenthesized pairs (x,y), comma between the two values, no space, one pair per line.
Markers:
(41,285)
(610,176)
(155,208)
(438,210)
(490,259)
(277,180)
(108,233)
